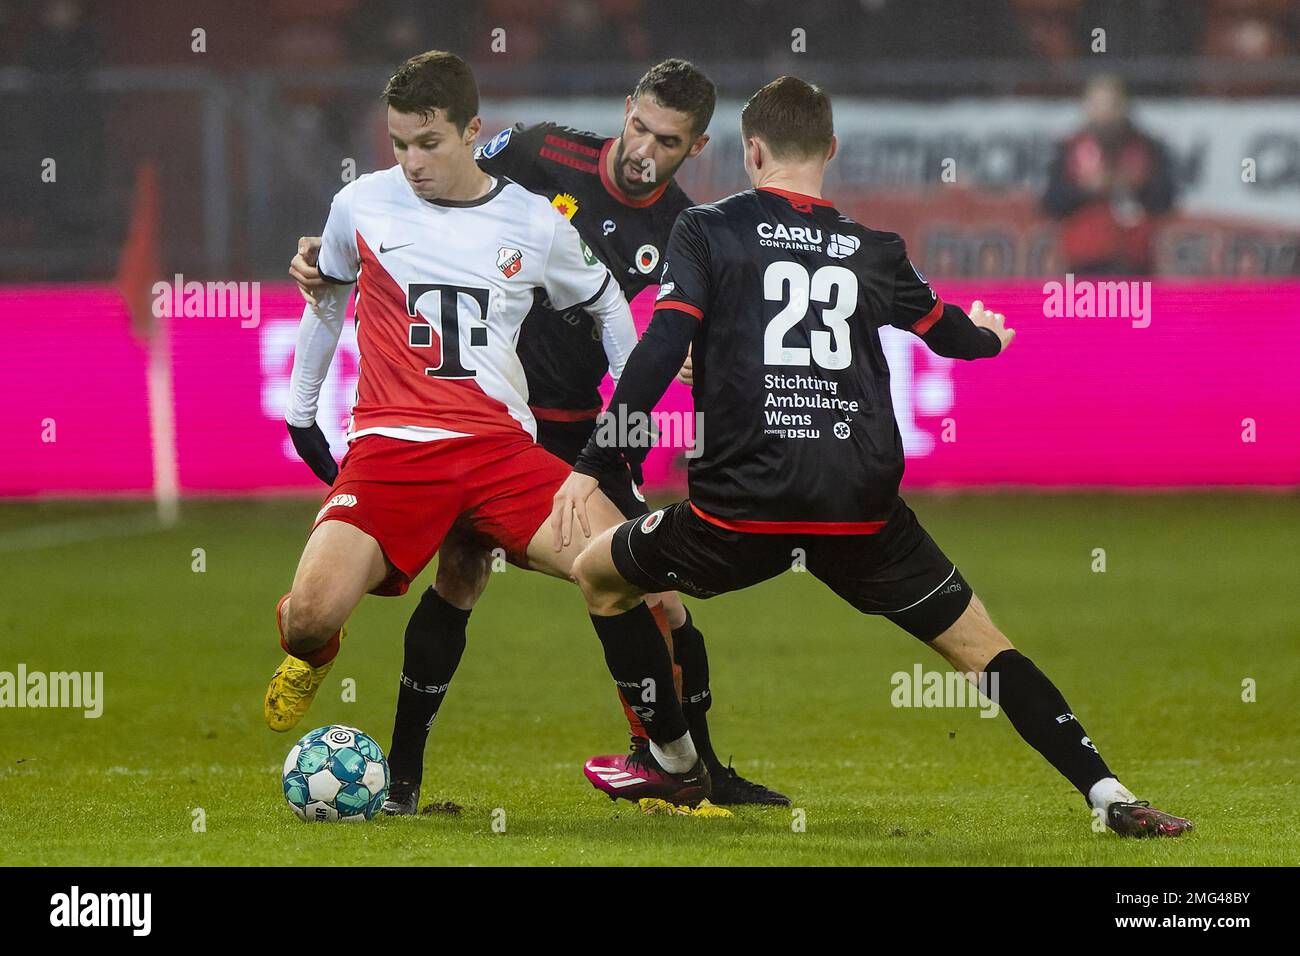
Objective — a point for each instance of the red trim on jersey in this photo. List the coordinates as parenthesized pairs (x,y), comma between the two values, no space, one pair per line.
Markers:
(797,199)
(393,388)
(565,414)
(930,318)
(680,307)
(570,145)
(612,188)
(564,159)
(792,527)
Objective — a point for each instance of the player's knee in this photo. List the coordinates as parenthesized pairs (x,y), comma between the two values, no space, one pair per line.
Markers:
(603,589)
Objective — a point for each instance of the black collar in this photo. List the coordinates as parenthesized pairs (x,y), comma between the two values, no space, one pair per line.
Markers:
(491,194)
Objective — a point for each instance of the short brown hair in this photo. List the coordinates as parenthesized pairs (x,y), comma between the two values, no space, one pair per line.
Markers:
(792,117)
(434,80)
(682,86)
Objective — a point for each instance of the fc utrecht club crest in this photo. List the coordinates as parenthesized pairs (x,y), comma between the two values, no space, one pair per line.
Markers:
(509,261)
(565,205)
(647,257)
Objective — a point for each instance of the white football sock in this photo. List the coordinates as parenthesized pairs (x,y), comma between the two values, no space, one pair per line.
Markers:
(677,756)
(1108,790)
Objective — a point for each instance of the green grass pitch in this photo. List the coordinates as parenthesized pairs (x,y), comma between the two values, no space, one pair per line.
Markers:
(1197,596)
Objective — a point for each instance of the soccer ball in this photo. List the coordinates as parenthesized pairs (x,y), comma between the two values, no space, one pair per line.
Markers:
(335,773)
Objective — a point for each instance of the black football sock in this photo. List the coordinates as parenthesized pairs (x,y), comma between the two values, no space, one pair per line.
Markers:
(635,653)
(689,652)
(435,640)
(1041,715)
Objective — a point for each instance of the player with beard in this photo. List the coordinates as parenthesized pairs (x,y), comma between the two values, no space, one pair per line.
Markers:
(619,193)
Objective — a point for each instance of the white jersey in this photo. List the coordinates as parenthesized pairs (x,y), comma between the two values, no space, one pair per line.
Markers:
(443,289)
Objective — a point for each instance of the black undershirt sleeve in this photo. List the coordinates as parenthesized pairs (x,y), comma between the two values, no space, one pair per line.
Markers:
(954,335)
(649,371)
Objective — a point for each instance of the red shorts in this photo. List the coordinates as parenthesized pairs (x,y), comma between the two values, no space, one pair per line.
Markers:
(407,494)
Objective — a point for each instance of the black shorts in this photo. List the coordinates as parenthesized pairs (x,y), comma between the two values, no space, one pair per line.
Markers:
(899,572)
(566,440)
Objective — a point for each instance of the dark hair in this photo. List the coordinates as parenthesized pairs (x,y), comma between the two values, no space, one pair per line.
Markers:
(434,80)
(680,85)
(792,117)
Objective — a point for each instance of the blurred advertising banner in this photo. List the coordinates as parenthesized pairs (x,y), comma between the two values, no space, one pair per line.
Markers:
(1175,385)
(961,181)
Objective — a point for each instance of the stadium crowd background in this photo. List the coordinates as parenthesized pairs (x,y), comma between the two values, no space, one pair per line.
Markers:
(248,133)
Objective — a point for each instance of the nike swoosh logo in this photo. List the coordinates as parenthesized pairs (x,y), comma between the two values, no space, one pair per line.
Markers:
(391,248)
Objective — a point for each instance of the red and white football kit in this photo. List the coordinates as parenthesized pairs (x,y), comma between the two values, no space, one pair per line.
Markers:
(441,426)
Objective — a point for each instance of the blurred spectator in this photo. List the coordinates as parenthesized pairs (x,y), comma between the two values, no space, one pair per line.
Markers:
(1254,33)
(1107,185)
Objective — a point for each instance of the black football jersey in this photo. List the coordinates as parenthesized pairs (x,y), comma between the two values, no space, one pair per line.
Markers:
(561,352)
(798,426)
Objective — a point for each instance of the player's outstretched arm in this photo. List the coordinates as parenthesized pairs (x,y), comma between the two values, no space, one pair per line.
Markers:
(945,328)
(952,333)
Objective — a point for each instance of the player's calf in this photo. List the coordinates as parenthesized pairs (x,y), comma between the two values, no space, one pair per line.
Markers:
(973,645)
(308,624)
(639,662)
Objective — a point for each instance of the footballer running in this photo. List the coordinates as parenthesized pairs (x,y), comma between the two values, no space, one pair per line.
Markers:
(769,319)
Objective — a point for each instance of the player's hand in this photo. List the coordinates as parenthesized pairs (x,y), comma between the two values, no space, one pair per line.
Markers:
(303,268)
(314,448)
(571,499)
(993,321)
(686,375)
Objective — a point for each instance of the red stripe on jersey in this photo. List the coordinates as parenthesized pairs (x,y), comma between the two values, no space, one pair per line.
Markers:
(565,414)
(930,317)
(792,527)
(393,388)
(797,199)
(570,145)
(612,188)
(564,159)
(680,307)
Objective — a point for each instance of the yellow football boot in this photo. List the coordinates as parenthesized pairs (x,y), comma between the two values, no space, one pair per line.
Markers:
(293,686)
